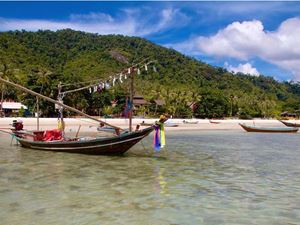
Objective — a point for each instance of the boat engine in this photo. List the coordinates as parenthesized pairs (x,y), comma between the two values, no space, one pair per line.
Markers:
(17,125)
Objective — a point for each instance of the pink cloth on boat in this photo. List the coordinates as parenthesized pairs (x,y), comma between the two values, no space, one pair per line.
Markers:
(52,135)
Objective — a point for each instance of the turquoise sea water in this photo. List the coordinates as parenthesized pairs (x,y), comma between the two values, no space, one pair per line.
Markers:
(201,177)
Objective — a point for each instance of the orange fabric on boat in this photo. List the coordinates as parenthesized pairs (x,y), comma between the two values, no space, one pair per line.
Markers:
(52,135)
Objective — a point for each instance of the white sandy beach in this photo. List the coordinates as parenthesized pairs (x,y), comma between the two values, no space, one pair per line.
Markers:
(87,125)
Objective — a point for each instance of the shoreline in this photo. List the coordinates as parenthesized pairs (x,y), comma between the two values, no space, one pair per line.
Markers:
(87,125)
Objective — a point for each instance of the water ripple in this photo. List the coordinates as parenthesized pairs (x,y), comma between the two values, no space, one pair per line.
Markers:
(223,177)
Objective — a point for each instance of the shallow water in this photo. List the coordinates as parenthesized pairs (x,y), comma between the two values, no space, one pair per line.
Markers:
(201,177)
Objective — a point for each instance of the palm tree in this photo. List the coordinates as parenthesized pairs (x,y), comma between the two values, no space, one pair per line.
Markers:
(7,73)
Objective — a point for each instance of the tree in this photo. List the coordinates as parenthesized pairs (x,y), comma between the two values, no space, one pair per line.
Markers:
(40,60)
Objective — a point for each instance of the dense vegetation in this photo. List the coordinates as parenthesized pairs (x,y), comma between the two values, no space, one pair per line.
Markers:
(40,60)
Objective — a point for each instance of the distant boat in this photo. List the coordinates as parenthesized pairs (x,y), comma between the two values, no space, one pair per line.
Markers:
(214,122)
(290,124)
(249,128)
(170,123)
(166,124)
(190,121)
(108,129)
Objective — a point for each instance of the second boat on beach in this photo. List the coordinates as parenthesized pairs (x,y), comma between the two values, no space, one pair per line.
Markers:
(249,128)
(290,124)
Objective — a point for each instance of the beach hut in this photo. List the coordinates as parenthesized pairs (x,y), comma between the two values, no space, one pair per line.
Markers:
(138,100)
(140,105)
(297,113)
(288,114)
(12,108)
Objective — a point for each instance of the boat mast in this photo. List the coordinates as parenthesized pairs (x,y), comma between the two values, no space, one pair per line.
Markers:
(131,75)
(60,99)
(2,99)
(131,97)
(56,102)
(38,113)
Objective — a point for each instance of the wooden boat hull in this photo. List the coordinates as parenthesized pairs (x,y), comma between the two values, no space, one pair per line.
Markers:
(289,124)
(269,129)
(166,124)
(214,122)
(190,122)
(100,146)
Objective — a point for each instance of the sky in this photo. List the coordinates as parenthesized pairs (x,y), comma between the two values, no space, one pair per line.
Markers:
(250,37)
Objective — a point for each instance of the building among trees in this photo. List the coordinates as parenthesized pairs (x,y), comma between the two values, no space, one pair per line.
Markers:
(9,109)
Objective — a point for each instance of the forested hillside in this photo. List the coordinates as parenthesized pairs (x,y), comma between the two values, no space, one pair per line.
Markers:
(40,60)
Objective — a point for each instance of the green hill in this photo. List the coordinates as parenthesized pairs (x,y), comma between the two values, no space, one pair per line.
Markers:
(40,60)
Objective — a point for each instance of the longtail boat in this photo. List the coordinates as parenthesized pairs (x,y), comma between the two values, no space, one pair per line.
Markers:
(214,122)
(118,144)
(168,124)
(190,121)
(249,128)
(290,124)
(107,129)
(171,124)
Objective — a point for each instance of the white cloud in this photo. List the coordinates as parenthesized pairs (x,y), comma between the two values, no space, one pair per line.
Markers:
(126,28)
(237,40)
(172,18)
(242,68)
(129,22)
(91,17)
(248,40)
